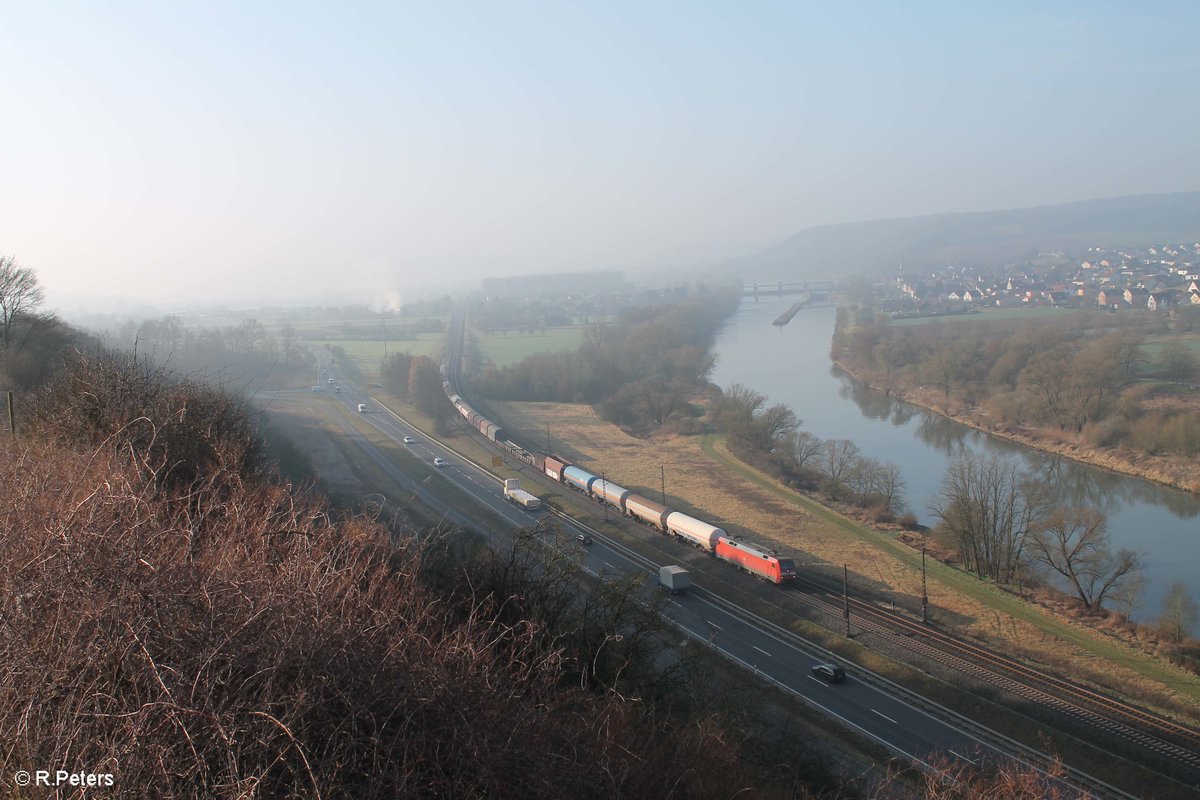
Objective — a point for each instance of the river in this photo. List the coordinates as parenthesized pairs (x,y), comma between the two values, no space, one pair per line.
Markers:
(791,365)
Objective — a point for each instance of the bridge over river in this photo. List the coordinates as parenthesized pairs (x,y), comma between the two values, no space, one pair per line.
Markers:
(818,290)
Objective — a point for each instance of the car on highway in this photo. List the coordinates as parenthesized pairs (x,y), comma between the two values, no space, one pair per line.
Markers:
(830,673)
(583,538)
(337,390)
(439,462)
(409,440)
(331,380)
(362,408)
(318,388)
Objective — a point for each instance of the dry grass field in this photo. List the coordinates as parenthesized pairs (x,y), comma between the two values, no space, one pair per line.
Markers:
(822,542)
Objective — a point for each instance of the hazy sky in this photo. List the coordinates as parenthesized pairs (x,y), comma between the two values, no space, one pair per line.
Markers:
(168,150)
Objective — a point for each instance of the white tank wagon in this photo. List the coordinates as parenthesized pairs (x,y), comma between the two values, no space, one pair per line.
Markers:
(695,531)
(609,492)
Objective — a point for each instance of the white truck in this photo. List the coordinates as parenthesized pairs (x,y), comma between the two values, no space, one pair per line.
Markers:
(675,579)
(515,494)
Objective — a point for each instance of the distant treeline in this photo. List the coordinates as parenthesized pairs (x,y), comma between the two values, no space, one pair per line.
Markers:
(1082,375)
(418,380)
(232,351)
(771,438)
(638,372)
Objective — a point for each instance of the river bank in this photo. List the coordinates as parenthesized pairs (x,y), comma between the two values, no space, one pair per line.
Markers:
(1177,472)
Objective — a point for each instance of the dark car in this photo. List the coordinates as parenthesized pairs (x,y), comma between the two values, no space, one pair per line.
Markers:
(583,538)
(830,673)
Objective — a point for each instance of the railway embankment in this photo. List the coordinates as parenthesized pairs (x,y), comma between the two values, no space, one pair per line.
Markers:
(704,478)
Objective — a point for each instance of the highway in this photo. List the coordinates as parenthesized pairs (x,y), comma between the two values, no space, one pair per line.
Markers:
(911,728)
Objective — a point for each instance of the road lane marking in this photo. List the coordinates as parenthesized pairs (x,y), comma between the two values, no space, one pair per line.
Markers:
(759,649)
(964,758)
(885,716)
(610,566)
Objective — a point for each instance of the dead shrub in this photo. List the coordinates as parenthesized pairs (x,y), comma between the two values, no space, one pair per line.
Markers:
(222,641)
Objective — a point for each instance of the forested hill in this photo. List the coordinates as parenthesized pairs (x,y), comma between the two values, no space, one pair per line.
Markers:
(981,238)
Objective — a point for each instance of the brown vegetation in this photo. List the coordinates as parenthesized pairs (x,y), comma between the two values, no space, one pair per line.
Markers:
(172,618)
(1070,388)
(239,642)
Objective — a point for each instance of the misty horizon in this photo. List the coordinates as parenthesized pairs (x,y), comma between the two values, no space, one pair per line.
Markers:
(221,154)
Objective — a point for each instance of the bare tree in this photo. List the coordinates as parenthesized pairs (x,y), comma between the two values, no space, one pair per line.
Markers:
(737,408)
(20,295)
(1127,594)
(839,456)
(774,424)
(1179,614)
(289,342)
(805,448)
(1074,543)
(989,508)
(862,478)
(1176,361)
(891,487)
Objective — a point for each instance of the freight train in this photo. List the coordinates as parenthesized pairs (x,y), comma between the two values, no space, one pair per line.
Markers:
(753,558)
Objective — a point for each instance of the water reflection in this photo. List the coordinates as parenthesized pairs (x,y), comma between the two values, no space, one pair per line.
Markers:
(1075,484)
(795,369)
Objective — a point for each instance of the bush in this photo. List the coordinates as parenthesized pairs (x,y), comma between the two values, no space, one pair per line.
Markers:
(243,643)
(174,428)
(1109,432)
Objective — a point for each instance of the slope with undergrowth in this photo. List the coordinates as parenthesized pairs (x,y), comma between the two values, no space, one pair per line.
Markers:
(172,616)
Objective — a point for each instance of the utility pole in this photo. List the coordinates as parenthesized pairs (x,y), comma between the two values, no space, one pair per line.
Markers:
(662,476)
(604,495)
(547,437)
(846,597)
(12,420)
(924,590)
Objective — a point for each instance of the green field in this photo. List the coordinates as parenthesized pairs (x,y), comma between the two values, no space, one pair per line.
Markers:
(996,314)
(505,349)
(1152,346)
(368,354)
(357,328)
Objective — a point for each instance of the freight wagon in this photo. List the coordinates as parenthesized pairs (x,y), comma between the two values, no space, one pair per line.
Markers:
(553,468)
(608,492)
(751,557)
(578,478)
(693,531)
(646,510)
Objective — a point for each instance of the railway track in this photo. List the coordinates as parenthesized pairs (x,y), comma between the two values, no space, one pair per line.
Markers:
(1157,734)
(1170,741)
